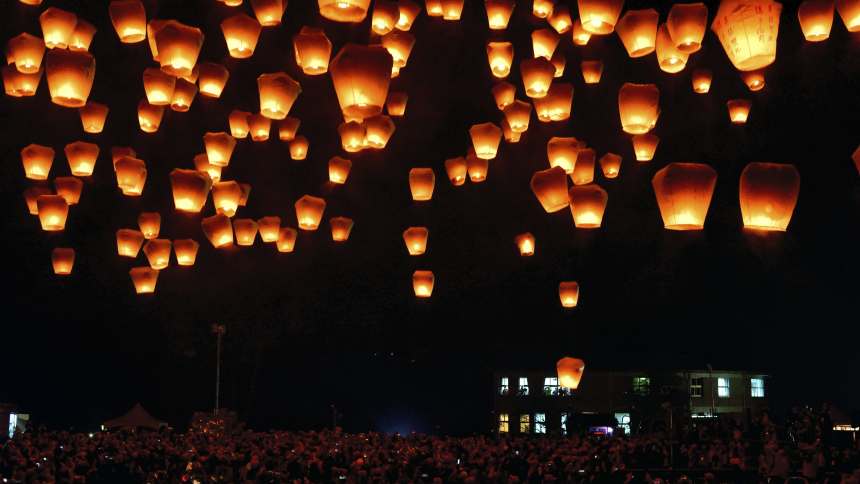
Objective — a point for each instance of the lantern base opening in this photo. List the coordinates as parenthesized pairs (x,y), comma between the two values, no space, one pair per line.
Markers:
(636,128)
(689,47)
(766,228)
(68,102)
(685,227)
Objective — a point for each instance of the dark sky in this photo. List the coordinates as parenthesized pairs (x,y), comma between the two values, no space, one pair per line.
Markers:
(339,323)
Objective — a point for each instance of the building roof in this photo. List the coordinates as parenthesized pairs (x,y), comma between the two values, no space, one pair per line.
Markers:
(136,417)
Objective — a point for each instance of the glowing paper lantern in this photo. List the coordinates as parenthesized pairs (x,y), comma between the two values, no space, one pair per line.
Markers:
(352,135)
(421,182)
(684,193)
(183,95)
(504,94)
(637,105)
(555,106)
(849,10)
(159,86)
(669,57)
(241,33)
(570,369)
(580,35)
(278,92)
(157,252)
(558,61)
(186,251)
(53,210)
(611,165)
(192,78)
(269,227)
(32,194)
(69,188)
(510,135)
(70,76)
(129,20)
(739,110)
(361,77)
(544,42)
(422,283)
(399,45)
(218,230)
(287,128)
(542,8)
(238,124)
(396,103)
(338,169)
(385,15)
(379,131)
(569,294)
(344,10)
(309,212)
(149,116)
(499,13)
(562,152)
(144,279)
(246,231)
(178,47)
(526,244)
(190,189)
(753,79)
(583,171)
(687,24)
(434,7)
(517,115)
(152,28)
(587,204)
(128,172)
(550,187)
(702,80)
(477,167)
(485,139)
(408,13)
(537,75)
(246,192)
(748,31)
(638,31)
(213,78)
(63,260)
(313,50)
(128,242)
(27,51)
(219,148)
(395,71)
(93,117)
(457,171)
(57,27)
(259,127)
(37,161)
(416,240)
(269,12)
(644,145)
(299,148)
(768,195)
(340,228)
(150,224)
(591,71)
(31,2)
(136,190)
(452,9)
(286,239)
(559,19)
(599,16)
(226,197)
(82,157)
(201,163)
(118,152)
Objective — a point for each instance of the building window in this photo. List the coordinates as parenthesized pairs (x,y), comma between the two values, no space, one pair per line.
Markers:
(523,387)
(696,385)
(623,422)
(540,423)
(503,423)
(524,424)
(503,388)
(723,387)
(757,387)
(550,386)
(641,386)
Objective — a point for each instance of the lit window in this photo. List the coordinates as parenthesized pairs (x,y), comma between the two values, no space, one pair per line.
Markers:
(723,387)
(523,387)
(550,386)
(623,422)
(641,386)
(696,385)
(524,424)
(503,388)
(540,423)
(564,421)
(503,422)
(757,387)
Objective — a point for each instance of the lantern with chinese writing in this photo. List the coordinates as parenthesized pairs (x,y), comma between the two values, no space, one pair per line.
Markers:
(485,139)
(53,210)
(118,152)
(396,103)
(587,204)
(129,20)
(201,163)
(558,61)
(644,145)
(499,13)
(82,157)
(212,79)
(477,167)
(344,10)
(128,242)
(241,33)
(17,84)
(569,294)
(32,194)
(591,71)
(422,283)
(286,239)
(278,92)
(385,15)
(269,227)
(238,124)
(226,197)
(583,171)
(70,76)
(37,161)
(421,182)
(563,152)
(313,50)
(544,42)
(416,240)
(218,230)
(361,77)
(599,16)
(570,369)
(299,148)
(555,106)
(57,27)
(352,135)
(638,31)
(183,95)
(670,58)
(186,251)
(456,168)
(340,228)
(503,94)
(63,260)
(768,194)
(309,211)
(150,224)
(526,243)
(149,116)
(158,86)
(190,189)
(69,188)
(246,231)
(684,193)
(739,110)
(753,79)
(748,30)
(219,148)
(559,19)
(580,35)
(510,135)
(144,279)
(611,165)
(550,187)
(379,131)
(157,252)
(246,192)
(338,169)
(178,47)
(849,10)
(517,115)
(128,172)
(542,8)
(27,51)
(287,128)
(269,12)
(637,105)
(702,80)
(93,117)
(687,24)
(537,75)
(259,126)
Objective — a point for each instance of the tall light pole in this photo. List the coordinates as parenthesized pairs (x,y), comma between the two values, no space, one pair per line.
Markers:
(220,330)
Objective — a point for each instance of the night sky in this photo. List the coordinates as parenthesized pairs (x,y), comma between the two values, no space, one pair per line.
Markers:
(338,323)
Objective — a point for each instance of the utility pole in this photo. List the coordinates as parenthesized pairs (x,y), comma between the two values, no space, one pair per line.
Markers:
(220,330)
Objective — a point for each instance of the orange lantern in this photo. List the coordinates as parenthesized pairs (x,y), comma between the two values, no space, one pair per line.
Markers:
(195,73)
(644,145)
(32,194)
(569,294)
(849,10)
(178,47)
(190,189)
(218,230)
(70,77)
(638,31)
(396,103)
(504,94)
(670,58)
(739,110)
(395,71)
(570,369)
(457,170)
(212,79)
(517,115)
(702,80)
(238,124)
(17,84)
(118,152)
(246,231)
(583,171)
(287,128)
(152,28)
(416,240)
(37,161)
(53,210)
(246,192)
(31,2)
(684,193)
(259,127)
(611,165)
(344,10)
(150,224)
(361,78)
(82,157)
(637,105)
(226,197)
(157,252)
(144,279)
(129,20)
(309,211)
(526,244)
(269,12)
(580,35)
(591,71)
(352,135)
(149,116)
(93,117)
(241,33)
(408,13)
(269,228)
(57,27)
(550,187)
(542,8)
(555,106)
(159,86)
(477,167)
(422,283)
(278,92)
(558,61)
(338,170)
(499,13)
(599,16)
(201,163)
(452,9)
(537,75)
(768,195)
(299,148)
(379,131)
(63,260)
(186,251)
(544,42)
(183,95)
(313,50)
(340,228)
(562,152)
(128,242)
(385,15)
(128,172)
(219,148)
(69,188)
(753,79)
(510,135)
(26,51)
(286,239)
(587,204)
(559,18)
(748,31)
(399,45)
(485,139)
(687,24)
(421,182)
(136,190)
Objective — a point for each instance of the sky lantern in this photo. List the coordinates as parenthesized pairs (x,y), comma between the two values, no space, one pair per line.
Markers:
(118,152)
(499,13)
(299,148)
(504,94)
(150,224)
(542,8)
(246,231)
(246,192)
(82,157)
(768,195)
(570,371)
(27,51)
(644,145)
(128,172)
(57,27)
(517,115)
(17,84)
(239,124)
(82,36)
(686,25)
(587,204)
(218,230)
(409,11)
(558,61)
(201,164)
(361,77)
(241,33)
(137,189)
(340,228)
(422,283)
(537,75)
(739,110)
(386,14)
(702,80)
(344,10)
(849,10)
(477,167)
(638,31)
(190,189)
(32,194)
(93,117)
(396,103)
(555,106)
(183,95)
(219,148)
(434,7)
(286,239)
(526,243)
(611,165)
(259,126)
(70,76)
(178,47)
(399,45)
(186,251)
(69,188)
(637,105)
(485,139)
(568,292)
(313,50)
(591,71)
(421,182)
(559,19)
(159,86)
(63,260)
(670,58)
(269,12)
(599,16)
(37,161)
(583,171)
(129,20)
(416,240)
(748,30)
(157,252)
(550,187)
(212,79)
(338,170)
(309,211)
(287,128)
(352,136)
(226,196)
(149,116)
(510,135)
(379,131)
(192,78)
(684,193)
(563,152)
(544,42)
(53,210)
(457,171)
(128,242)
(152,28)
(278,92)
(580,35)
(753,79)
(269,228)
(395,71)
(144,279)
(452,9)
